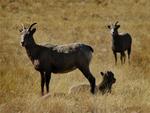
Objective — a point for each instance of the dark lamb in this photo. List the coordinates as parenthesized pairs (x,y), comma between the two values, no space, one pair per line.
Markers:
(105,86)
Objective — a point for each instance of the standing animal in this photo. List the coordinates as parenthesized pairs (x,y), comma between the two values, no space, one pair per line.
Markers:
(120,43)
(57,58)
(103,87)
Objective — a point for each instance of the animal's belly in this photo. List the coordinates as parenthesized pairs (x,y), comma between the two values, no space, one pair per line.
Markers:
(117,49)
(120,48)
(62,69)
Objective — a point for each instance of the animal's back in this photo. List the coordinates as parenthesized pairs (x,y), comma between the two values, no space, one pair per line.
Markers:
(73,53)
(81,88)
(72,47)
(49,45)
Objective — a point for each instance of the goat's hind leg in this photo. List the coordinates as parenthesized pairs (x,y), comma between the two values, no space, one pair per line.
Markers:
(129,52)
(86,72)
(124,57)
(48,77)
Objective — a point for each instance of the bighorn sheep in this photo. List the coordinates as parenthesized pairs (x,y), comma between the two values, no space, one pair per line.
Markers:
(104,87)
(57,58)
(120,43)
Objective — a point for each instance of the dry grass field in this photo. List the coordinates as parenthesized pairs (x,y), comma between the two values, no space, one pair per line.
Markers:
(67,21)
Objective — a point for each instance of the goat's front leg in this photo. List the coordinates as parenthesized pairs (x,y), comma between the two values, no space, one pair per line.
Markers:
(48,77)
(42,82)
(122,57)
(115,54)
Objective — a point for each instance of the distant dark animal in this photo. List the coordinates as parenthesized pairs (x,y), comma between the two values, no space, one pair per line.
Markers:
(120,43)
(103,87)
(57,58)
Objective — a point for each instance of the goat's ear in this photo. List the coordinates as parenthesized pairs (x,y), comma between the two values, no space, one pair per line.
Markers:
(33,30)
(108,26)
(118,26)
(102,73)
(20,30)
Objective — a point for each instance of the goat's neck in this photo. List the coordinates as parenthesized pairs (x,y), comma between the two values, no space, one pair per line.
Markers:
(115,34)
(115,38)
(32,52)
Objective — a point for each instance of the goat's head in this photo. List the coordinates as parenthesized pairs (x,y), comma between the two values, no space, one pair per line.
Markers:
(114,28)
(27,35)
(108,78)
(107,82)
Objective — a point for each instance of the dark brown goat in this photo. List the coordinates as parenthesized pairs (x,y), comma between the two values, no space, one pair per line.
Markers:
(107,82)
(120,42)
(104,87)
(57,58)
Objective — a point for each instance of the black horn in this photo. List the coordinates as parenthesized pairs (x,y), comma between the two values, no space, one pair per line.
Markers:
(32,26)
(116,23)
(22,26)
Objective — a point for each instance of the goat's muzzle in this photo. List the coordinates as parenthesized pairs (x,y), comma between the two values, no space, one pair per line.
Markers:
(114,80)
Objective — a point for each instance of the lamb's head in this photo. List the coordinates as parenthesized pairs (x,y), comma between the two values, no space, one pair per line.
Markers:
(107,82)
(114,28)
(27,35)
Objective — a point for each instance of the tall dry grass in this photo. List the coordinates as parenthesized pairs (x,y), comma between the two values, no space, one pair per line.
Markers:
(68,21)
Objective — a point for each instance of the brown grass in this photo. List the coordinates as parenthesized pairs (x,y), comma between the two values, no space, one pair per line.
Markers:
(67,21)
